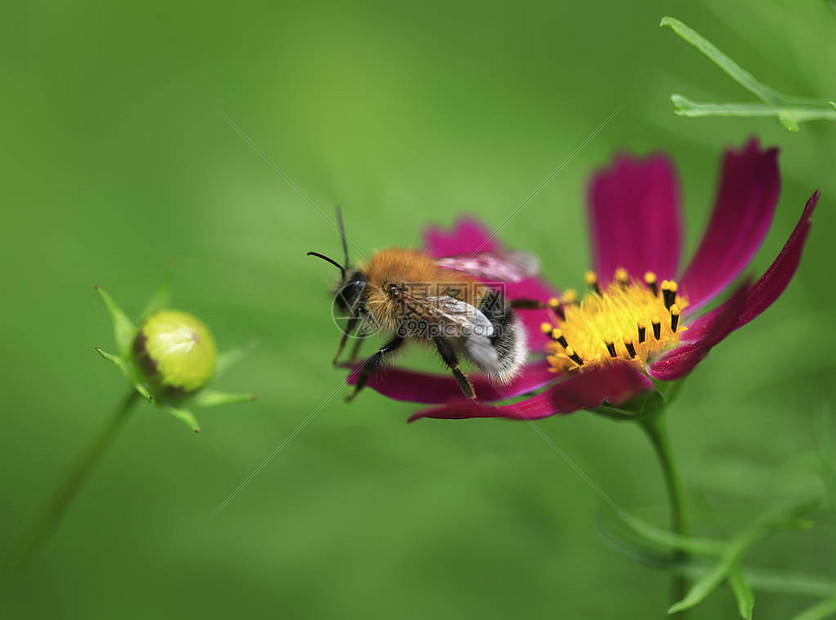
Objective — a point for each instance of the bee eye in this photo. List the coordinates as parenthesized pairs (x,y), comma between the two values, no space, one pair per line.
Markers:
(349,295)
(394,289)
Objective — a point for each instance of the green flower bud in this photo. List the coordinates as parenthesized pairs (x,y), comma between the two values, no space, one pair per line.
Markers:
(171,357)
(174,353)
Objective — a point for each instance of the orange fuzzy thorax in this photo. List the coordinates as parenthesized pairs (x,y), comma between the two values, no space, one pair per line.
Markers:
(417,273)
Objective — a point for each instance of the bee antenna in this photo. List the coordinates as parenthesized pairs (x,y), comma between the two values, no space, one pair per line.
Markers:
(330,260)
(342,234)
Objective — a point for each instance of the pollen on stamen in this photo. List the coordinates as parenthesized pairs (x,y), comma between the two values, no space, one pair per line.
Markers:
(591,279)
(558,337)
(614,322)
(621,276)
(669,293)
(555,306)
(674,317)
(572,355)
(650,280)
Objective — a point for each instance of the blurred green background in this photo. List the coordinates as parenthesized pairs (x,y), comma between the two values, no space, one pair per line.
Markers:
(114,162)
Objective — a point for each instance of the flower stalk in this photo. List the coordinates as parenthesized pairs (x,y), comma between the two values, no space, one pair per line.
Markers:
(54,510)
(654,426)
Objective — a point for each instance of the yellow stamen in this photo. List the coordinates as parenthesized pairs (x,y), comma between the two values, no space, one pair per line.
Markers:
(558,336)
(621,276)
(572,355)
(650,280)
(674,317)
(615,323)
(591,279)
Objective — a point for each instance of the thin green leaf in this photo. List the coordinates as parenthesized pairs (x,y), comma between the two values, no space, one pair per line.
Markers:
(213,398)
(789,115)
(742,592)
(790,111)
(761,579)
(123,328)
(702,587)
(824,609)
(161,299)
(665,538)
(185,416)
(789,582)
(737,548)
(730,67)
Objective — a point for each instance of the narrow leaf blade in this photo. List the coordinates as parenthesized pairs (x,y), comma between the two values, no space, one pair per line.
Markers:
(123,327)
(701,588)
(742,592)
(730,67)
(819,611)
(664,538)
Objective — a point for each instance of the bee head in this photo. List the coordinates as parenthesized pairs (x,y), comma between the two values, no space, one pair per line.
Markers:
(350,291)
(352,283)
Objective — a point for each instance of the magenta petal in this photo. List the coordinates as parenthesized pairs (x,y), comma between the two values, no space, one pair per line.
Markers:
(433,389)
(468,236)
(533,288)
(682,360)
(585,390)
(635,219)
(772,283)
(745,204)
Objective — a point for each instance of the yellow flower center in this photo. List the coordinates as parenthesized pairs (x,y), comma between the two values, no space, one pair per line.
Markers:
(631,320)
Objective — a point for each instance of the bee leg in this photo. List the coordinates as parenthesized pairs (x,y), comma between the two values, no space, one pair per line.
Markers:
(355,351)
(349,327)
(449,357)
(373,364)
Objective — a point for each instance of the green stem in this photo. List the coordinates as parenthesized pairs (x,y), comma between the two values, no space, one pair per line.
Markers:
(41,528)
(654,426)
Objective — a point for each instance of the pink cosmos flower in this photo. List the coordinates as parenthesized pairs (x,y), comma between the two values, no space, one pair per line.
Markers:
(640,320)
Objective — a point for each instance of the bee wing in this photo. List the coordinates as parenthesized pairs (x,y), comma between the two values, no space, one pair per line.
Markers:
(460,317)
(503,266)
(471,330)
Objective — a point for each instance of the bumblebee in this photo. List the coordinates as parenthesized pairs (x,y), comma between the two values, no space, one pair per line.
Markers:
(455,303)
